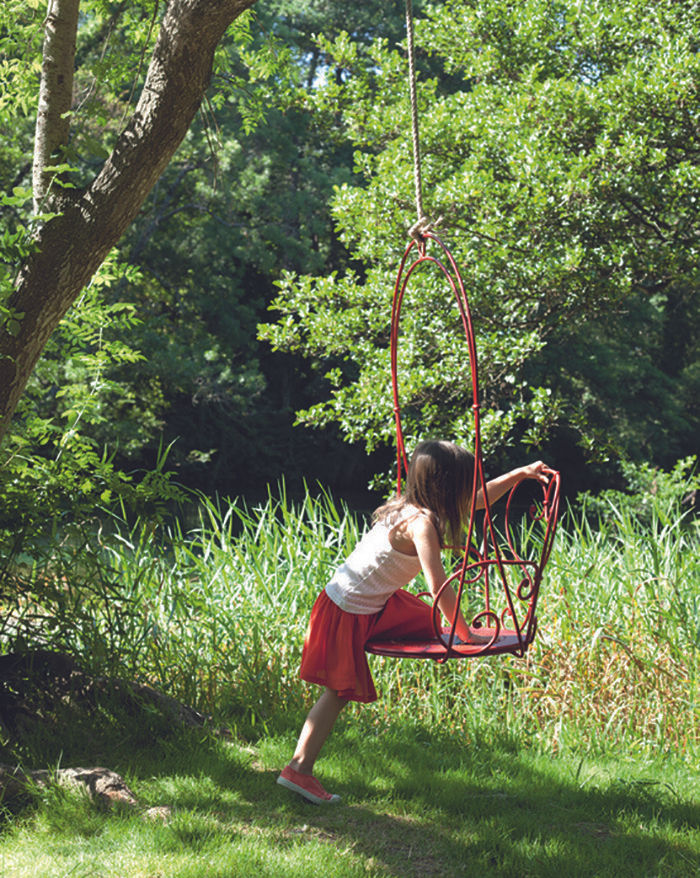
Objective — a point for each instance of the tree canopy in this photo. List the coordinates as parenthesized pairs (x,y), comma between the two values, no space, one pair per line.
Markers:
(244,198)
(560,144)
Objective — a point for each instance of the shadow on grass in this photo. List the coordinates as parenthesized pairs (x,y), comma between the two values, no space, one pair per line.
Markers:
(514,813)
(416,803)
(419,803)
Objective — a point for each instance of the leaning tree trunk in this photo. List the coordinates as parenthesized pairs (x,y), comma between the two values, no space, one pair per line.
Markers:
(72,246)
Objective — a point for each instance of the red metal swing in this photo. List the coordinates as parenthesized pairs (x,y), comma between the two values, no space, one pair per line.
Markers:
(508,584)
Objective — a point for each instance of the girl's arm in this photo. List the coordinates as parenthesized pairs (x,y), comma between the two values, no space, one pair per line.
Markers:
(497,487)
(425,538)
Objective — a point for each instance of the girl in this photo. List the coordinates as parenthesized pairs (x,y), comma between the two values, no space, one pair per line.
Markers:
(366,599)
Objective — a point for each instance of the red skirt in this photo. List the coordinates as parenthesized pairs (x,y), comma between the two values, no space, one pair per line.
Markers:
(334,648)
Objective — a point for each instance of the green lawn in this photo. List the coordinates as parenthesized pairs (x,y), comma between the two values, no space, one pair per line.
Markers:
(416,802)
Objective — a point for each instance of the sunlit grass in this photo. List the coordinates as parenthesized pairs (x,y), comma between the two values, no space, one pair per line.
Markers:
(216,616)
(417,801)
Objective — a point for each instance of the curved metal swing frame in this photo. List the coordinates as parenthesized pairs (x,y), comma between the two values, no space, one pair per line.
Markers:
(509,583)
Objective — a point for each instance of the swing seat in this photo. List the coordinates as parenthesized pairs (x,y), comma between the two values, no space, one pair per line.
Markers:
(499,580)
(507,641)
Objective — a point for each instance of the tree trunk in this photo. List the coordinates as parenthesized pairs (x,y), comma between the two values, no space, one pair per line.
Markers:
(55,91)
(72,246)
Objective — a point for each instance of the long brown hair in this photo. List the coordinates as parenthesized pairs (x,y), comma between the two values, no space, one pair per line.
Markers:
(440,479)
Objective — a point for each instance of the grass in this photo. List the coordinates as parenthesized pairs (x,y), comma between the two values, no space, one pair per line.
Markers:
(417,802)
(578,760)
(216,617)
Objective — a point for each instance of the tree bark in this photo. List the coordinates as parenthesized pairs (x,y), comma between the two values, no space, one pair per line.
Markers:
(72,246)
(55,91)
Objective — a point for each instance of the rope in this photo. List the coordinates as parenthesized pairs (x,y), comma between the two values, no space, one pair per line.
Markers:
(422,224)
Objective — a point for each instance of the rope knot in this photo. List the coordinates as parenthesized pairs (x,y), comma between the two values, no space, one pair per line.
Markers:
(421,227)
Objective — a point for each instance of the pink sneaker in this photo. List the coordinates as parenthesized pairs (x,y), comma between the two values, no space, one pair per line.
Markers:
(307,786)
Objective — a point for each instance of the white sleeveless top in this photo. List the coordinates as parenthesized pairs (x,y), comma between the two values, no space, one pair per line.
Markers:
(372,573)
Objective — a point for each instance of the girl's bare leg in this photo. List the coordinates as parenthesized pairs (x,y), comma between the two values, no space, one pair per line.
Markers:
(319,722)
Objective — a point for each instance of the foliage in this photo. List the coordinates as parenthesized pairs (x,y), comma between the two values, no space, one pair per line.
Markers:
(602,711)
(53,470)
(20,35)
(559,144)
(244,199)
(652,495)
(121,603)
(54,465)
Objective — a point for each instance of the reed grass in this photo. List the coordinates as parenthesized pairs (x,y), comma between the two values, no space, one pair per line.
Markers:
(226,603)
(578,760)
(216,615)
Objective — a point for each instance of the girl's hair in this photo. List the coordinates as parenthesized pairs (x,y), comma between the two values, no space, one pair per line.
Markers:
(440,478)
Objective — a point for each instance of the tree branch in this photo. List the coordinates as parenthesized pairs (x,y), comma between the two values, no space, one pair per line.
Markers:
(55,91)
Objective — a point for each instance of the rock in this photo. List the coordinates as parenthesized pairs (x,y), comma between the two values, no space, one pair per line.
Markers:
(101,784)
(160,813)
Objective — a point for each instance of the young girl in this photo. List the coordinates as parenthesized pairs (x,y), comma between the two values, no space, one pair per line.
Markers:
(366,599)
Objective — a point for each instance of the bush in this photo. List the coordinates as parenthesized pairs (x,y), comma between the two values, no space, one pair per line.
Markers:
(652,493)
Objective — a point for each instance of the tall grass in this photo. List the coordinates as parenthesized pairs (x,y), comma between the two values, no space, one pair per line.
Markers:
(615,662)
(224,605)
(621,629)
(216,616)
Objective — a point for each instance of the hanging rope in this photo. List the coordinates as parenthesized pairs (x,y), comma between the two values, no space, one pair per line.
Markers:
(422,224)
